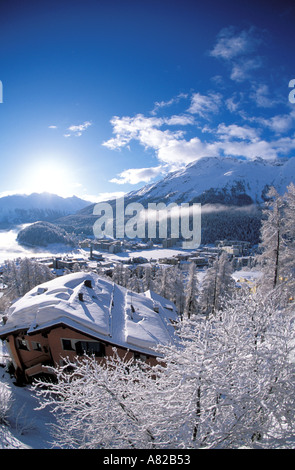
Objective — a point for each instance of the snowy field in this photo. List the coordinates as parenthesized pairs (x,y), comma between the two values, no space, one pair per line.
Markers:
(27,427)
(149,254)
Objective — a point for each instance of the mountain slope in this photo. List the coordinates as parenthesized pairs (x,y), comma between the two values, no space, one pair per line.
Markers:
(220,180)
(230,191)
(18,209)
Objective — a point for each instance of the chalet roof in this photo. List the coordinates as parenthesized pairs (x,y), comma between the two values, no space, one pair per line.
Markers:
(105,310)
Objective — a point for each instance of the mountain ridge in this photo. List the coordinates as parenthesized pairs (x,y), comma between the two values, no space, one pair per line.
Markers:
(221,174)
(226,185)
(230,188)
(22,208)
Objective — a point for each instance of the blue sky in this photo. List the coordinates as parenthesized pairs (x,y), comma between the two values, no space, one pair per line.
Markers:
(101,97)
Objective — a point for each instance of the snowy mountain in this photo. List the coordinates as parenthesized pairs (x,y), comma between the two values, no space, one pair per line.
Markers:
(220,180)
(230,191)
(18,208)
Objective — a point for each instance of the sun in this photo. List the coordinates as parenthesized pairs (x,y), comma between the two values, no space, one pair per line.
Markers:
(50,176)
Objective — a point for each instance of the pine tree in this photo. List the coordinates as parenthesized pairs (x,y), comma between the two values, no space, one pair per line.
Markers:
(21,276)
(134,283)
(191,292)
(162,284)
(272,260)
(11,278)
(217,285)
(289,223)
(147,279)
(118,274)
(177,295)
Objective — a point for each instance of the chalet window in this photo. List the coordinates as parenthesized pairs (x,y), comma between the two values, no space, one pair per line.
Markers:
(141,357)
(67,345)
(90,347)
(36,346)
(22,344)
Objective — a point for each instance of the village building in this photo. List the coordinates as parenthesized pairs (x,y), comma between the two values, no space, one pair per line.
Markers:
(84,313)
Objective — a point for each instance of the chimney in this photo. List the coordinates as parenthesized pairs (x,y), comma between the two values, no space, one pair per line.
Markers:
(80,295)
(88,283)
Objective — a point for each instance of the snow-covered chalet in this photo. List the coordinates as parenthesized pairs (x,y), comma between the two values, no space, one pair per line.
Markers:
(84,313)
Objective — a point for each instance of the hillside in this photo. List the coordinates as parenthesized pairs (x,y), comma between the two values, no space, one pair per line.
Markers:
(43,234)
(218,180)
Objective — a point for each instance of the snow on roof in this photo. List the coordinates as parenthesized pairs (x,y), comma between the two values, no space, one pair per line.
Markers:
(247,275)
(105,310)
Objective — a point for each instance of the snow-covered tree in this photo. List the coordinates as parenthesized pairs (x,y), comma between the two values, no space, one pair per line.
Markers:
(289,225)
(134,282)
(234,377)
(11,278)
(147,279)
(6,402)
(162,284)
(272,259)
(229,383)
(177,294)
(191,293)
(100,405)
(290,212)
(21,276)
(217,285)
(118,274)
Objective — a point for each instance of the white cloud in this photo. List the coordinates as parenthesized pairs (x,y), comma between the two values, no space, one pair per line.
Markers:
(203,105)
(260,148)
(237,132)
(278,124)
(145,130)
(77,130)
(236,48)
(261,96)
(241,70)
(175,147)
(179,120)
(137,175)
(52,127)
(171,147)
(128,128)
(231,104)
(231,44)
(284,145)
(164,104)
(182,152)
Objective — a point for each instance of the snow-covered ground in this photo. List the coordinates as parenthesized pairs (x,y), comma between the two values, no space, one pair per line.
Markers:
(27,428)
(149,254)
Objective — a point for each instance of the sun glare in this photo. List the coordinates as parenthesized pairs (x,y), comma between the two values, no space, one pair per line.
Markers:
(51,177)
